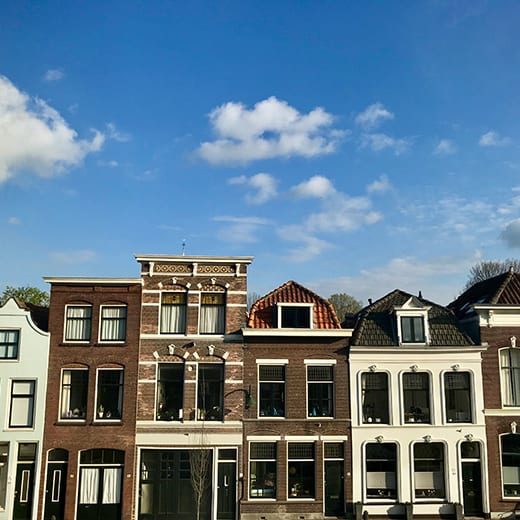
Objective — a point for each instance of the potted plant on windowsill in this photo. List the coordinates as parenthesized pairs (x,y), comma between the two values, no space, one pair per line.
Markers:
(101,411)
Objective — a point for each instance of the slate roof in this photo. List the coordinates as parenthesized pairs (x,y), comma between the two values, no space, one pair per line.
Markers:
(503,289)
(263,311)
(376,324)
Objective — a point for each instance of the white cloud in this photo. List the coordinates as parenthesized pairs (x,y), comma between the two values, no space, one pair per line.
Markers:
(493,138)
(115,134)
(381,185)
(438,278)
(53,75)
(373,115)
(511,234)
(73,257)
(13,221)
(378,142)
(317,186)
(272,128)
(310,246)
(445,147)
(263,184)
(34,137)
(240,229)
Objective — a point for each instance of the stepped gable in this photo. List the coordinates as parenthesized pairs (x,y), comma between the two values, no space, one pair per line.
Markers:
(376,325)
(263,312)
(503,289)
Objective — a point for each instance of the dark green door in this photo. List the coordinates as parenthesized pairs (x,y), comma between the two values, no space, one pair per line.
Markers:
(227,491)
(334,488)
(472,488)
(23,494)
(55,491)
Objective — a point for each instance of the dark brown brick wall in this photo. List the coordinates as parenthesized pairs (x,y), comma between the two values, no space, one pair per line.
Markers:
(295,350)
(88,435)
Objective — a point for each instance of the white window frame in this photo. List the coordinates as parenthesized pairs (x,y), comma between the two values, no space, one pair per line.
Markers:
(389,410)
(444,473)
(97,418)
(503,384)
(413,308)
(291,497)
(4,473)
(102,318)
(282,305)
(66,320)
(331,363)
(261,497)
(185,305)
(470,392)
(60,415)
(276,362)
(366,473)
(431,403)
(224,308)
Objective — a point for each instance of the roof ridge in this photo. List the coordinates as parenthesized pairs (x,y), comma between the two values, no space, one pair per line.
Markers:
(507,278)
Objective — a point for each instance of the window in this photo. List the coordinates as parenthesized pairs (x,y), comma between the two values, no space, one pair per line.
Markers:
(381,470)
(78,323)
(170,392)
(9,344)
(101,473)
(510,376)
(4,466)
(301,469)
(74,388)
(457,395)
(213,313)
(272,390)
(320,391)
(262,470)
(173,313)
(113,323)
(412,329)
(416,390)
(210,389)
(374,393)
(22,404)
(511,465)
(109,402)
(294,316)
(429,470)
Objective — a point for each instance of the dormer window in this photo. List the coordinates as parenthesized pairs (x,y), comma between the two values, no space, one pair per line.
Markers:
(294,316)
(412,322)
(412,329)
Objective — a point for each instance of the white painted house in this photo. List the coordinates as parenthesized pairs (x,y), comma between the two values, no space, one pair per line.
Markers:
(24,348)
(418,428)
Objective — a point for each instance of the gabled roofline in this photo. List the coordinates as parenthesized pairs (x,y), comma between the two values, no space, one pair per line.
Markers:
(66,280)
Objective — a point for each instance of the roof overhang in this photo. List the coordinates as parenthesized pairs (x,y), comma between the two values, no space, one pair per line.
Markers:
(182,259)
(301,333)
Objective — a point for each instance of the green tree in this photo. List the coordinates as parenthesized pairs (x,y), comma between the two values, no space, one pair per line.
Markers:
(26,294)
(344,304)
(488,268)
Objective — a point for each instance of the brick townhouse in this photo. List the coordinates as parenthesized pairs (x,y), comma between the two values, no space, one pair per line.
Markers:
(88,467)
(490,311)
(191,392)
(297,460)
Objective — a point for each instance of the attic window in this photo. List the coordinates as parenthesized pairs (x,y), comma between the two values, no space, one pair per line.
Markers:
(412,322)
(294,316)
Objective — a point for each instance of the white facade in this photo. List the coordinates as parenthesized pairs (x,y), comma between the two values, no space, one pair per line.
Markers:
(434,483)
(24,352)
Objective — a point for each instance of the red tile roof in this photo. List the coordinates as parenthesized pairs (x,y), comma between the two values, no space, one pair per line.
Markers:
(263,312)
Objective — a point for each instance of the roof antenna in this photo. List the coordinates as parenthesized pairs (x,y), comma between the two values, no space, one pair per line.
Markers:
(420,294)
(183,246)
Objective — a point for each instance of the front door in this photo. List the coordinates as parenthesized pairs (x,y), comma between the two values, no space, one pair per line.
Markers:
(24,485)
(334,488)
(23,494)
(55,491)
(472,488)
(226,493)
(100,493)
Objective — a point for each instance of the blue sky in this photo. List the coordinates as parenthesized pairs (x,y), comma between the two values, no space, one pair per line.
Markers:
(351,146)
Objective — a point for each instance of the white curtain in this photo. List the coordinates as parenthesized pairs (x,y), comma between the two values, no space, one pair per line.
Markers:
(173,318)
(78,323)
(65,394)
(88,492)
(113,324)
(112,485)
(212,319)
